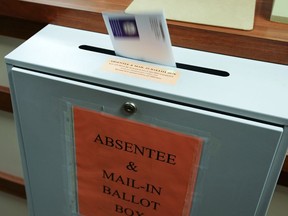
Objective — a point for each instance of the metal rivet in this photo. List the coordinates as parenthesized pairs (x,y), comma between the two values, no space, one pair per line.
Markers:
(130,107)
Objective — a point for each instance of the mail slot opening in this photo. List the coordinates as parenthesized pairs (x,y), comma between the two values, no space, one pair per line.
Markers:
(178,65)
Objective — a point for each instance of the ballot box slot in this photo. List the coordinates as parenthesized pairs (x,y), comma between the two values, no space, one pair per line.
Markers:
(193,68)
(158,98)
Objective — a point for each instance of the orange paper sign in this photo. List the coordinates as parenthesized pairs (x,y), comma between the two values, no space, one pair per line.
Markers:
(129,168)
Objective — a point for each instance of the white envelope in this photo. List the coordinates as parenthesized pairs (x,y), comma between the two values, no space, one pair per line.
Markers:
(141,36)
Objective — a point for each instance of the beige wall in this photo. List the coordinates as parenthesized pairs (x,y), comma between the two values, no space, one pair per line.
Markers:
(12,206)
(7,44)
(9,151)
(279,203)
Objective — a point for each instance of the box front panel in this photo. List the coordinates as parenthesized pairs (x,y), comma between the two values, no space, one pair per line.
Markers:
(235,155)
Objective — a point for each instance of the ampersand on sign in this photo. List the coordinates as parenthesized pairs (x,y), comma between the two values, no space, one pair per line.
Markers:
(131,166)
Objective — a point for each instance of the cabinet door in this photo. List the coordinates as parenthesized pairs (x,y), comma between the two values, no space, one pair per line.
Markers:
(234,175)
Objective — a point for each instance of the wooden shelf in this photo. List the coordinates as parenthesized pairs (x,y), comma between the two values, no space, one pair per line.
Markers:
(12,185)
(5,99)
(267,42)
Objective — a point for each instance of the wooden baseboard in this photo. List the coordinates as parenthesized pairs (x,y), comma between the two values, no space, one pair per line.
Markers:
(285,165)
(12,185)
(19,28)
(283,178)
(5,99)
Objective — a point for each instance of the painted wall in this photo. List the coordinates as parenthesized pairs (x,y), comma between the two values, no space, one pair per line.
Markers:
(9,151)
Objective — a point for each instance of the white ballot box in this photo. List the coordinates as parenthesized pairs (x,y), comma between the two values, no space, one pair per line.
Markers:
(105,135)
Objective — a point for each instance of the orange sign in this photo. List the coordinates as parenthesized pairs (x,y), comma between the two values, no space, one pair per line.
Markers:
(128,168)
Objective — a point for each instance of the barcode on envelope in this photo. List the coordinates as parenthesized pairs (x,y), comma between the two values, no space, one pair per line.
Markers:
(157,28)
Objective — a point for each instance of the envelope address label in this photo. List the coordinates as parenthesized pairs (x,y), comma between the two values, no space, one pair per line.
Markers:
(142,71)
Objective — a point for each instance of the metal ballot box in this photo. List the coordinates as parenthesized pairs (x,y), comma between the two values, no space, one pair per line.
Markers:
(106,135)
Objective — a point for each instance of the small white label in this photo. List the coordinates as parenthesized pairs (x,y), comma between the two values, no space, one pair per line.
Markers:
(143,71)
